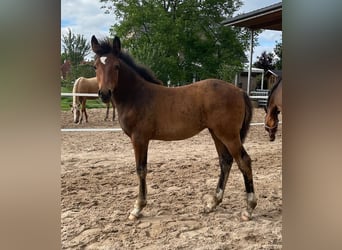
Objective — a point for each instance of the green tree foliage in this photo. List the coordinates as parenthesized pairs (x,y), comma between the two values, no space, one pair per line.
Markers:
(75,47)
(278,50)
(268,61)
(85,70)
(179,39)
(265,61)
(63,58)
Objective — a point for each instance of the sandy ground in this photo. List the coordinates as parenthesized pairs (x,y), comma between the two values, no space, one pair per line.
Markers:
(99,187)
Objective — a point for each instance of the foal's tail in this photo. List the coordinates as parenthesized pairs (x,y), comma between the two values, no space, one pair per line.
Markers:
(248,117)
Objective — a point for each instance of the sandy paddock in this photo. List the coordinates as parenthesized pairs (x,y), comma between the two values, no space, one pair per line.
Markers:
(99,187)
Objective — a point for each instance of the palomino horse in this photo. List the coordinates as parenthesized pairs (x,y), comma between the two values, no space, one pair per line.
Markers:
(273,108)
(86,85)
(149,111)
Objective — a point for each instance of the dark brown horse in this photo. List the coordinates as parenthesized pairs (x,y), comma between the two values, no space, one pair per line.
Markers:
(149,111)
(273,108)
(86,86)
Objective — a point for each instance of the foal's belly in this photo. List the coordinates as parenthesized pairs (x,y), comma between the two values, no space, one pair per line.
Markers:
(175,131)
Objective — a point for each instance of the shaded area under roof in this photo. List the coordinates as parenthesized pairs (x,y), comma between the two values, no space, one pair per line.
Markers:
(269,18)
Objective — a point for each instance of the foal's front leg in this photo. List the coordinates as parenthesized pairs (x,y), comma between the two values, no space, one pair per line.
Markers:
(107,111)
(140,151)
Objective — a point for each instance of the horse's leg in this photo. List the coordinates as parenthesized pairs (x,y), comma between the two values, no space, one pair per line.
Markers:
(244,162)
(140,151)
(107,111)
(226,161)
(84,109)
(113,106)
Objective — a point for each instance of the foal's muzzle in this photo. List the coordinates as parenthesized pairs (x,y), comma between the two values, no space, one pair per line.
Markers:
(271,131)
(105,95)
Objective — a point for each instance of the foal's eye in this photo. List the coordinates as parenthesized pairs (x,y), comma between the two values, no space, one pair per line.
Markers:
(94,67)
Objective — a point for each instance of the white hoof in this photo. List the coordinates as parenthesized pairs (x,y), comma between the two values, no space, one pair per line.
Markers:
(132,217)
(135,214)
(210,203)
(245,216)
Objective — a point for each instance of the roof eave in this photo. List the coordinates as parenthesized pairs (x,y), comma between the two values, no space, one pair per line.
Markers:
(259,19)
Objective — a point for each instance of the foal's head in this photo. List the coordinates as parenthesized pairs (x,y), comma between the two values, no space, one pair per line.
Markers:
(273,108)
(106,65)
(271,121)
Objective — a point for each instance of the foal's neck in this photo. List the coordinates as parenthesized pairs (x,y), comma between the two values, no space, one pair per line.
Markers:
(129,87)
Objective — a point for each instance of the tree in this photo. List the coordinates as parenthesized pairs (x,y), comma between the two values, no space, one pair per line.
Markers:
(271,60)
(63,58)
(75,47)
(180,40)
(265,61)
(278,50)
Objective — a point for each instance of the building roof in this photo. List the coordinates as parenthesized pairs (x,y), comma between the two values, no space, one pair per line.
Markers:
(274,72)
(269,18)
(254,70)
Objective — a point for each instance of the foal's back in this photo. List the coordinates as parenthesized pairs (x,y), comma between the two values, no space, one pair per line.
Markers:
(205,97)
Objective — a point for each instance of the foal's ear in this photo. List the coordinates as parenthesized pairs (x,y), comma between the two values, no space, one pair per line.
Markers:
(95,45)
(265,109)
(116,45)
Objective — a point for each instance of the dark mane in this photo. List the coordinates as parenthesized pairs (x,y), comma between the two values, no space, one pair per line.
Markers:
(139,69)
(275,86)
(107,47)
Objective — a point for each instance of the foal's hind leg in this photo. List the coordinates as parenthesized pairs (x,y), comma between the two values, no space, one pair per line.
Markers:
(226,161)
(244,162)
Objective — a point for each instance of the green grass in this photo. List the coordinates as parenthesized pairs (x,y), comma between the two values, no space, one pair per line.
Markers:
(66,101)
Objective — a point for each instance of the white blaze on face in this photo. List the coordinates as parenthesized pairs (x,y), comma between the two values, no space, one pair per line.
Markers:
(103,59)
